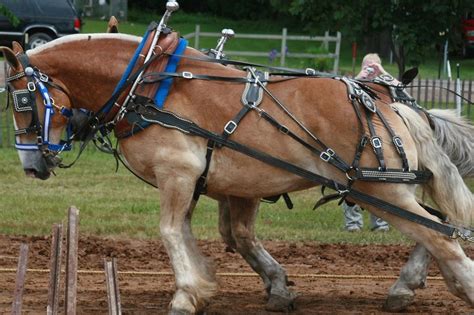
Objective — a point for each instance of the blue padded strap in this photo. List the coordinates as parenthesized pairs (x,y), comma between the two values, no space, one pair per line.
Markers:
(129,69)
(165,85)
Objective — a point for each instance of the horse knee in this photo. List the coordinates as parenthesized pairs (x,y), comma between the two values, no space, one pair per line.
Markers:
(244,239)
(225,229)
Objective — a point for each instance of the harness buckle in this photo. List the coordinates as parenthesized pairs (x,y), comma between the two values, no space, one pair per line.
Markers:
(187,75)
(43,77)
(230,127)
(376,142)
(31,86)
(327,155)
(464,234)
(284,130)
(39,140)
(398,142)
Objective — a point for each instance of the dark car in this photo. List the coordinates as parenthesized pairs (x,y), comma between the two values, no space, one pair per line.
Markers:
(40,21)
(468,32)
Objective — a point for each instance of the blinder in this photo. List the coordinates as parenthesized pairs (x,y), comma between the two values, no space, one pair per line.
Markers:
(22,101)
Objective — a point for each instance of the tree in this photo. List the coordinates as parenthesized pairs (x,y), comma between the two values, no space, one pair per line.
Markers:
(9,15)
(413,26)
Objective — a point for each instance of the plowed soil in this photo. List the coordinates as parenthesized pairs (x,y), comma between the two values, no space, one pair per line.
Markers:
(150,294)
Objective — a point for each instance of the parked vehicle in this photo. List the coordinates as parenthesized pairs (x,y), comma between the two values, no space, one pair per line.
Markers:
(40,21)
(468,33)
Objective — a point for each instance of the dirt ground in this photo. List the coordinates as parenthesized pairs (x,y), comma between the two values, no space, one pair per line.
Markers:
(151,294)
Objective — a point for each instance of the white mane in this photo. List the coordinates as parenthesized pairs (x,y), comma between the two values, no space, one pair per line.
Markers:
(79,37)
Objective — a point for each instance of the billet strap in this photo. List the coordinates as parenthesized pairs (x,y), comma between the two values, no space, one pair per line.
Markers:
(170,120)
(397,141)
(375,141)
(201,184)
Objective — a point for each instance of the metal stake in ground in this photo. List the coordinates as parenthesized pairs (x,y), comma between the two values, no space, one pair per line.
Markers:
(113,292)
(71,261)
(55,270)
(20,280)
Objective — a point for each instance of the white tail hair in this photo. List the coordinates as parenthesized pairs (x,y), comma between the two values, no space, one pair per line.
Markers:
(456,136)
(446,187)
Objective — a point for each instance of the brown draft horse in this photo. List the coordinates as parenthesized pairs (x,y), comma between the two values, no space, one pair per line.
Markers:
(87,67)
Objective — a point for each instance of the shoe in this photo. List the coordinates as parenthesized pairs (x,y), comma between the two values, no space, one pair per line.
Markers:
(383,228)
(353,228)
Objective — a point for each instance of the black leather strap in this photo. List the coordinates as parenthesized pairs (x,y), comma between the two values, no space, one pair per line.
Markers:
(170,120)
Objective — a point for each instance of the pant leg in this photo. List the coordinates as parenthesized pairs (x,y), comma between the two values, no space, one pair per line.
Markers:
(377,223)
(352,216)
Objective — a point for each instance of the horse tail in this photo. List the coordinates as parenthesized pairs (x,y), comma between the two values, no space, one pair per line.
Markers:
(456,136)
(446,187)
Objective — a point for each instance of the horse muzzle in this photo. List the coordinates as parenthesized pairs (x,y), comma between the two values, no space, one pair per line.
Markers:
(36,164)
(33,173)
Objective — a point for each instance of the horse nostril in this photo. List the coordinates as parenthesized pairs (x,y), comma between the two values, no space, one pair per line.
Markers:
(35,174)
(30,173)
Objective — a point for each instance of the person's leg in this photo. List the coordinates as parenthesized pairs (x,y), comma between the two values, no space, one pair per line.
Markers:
(378,224)
(352,217)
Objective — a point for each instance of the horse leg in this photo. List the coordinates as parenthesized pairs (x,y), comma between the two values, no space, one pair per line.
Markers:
(195,277)
(412,277)
(243,213)
(456,267)
(225,230)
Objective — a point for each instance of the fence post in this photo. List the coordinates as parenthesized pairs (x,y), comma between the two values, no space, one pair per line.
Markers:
(1,127)
(326,41)
(55,270)
(459,92)
(113,293)
(197,33)
(71,261)
(284,34)
(338,51)
(20,280)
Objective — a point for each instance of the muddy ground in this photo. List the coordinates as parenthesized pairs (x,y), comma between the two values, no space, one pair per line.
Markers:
(150,294)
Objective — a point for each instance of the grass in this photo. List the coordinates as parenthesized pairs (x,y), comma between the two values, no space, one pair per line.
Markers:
(185,24)
(118,204)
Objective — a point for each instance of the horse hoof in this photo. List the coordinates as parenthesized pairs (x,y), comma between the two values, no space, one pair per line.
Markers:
(279,303)
(396,303)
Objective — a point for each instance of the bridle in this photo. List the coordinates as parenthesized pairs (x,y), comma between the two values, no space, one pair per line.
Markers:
(24,100)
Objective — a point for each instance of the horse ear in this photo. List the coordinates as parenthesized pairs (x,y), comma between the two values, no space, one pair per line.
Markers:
(409,76)
(17,49)
(11,59)
(113,25)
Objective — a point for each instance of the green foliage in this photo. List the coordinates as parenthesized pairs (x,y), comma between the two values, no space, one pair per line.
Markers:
(243,9)
(414,25)
(9,15)
(319,63)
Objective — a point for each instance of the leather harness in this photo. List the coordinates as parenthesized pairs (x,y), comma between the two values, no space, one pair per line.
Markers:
(141,108)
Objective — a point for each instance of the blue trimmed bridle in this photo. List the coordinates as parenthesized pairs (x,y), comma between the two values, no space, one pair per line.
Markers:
(25,101)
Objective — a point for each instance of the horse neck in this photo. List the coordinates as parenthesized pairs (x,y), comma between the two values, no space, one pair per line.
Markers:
(88,69)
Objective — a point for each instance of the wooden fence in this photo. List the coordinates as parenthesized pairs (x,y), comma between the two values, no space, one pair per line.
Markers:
(284,38)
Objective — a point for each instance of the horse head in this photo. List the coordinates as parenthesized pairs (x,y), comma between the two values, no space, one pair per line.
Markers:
(41,110)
